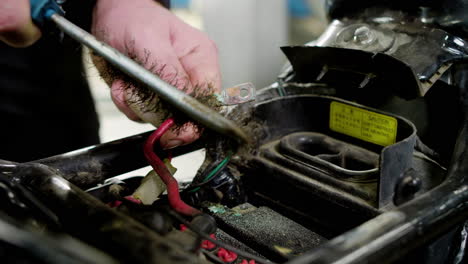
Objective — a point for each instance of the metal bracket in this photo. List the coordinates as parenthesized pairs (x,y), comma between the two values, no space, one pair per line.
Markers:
(238,94)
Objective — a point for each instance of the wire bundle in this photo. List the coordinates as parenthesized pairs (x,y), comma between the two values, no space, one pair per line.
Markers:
(210,173)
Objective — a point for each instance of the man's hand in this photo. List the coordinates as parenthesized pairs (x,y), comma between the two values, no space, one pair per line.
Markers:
(16,26)
(178,53)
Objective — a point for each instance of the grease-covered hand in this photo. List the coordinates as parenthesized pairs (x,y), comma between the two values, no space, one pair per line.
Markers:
(16,26)
(177,52)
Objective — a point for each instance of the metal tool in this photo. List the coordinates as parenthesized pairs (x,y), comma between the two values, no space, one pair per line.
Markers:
(49,10)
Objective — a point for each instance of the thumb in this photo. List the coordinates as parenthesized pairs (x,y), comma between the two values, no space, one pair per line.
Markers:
(16,26)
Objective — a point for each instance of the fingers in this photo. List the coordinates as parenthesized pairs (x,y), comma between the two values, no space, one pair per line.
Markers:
(118,88)
(141,102)
(163,62)
(163,44)
(179,136)
(16,26)
(198,56)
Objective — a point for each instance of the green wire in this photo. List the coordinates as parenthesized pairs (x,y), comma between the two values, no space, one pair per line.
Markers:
(214,171)
(280,88)
(280,91)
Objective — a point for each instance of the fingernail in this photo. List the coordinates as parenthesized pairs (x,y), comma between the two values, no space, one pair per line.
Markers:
(173,143)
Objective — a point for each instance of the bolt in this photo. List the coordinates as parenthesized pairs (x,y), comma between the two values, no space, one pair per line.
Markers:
(363,35)
(412,185)
(407,187)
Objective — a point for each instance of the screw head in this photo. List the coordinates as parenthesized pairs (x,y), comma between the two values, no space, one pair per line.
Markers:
(363,35)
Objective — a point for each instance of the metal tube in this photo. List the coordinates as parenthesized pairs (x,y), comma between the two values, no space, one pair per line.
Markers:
(183,102)
(89,166)
(91,221)
(31,244)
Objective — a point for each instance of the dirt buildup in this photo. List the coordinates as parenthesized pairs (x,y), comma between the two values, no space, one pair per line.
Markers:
(244,117)
(143,101)
(150,108)
(219,146)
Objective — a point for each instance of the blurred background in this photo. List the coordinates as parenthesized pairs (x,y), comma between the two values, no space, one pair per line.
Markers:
(249,34)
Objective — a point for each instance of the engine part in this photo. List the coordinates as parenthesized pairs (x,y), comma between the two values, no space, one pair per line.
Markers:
(90,220)
(28,245)
(354,160)
(268,236)
(221,188)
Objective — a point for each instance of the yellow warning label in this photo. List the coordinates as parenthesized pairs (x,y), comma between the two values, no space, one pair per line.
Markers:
(365,125)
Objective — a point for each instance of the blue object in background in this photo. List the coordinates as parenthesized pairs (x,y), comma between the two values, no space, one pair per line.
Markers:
(180,4)
(299,8)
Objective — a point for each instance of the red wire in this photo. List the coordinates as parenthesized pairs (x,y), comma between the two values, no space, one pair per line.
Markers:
(160,168)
